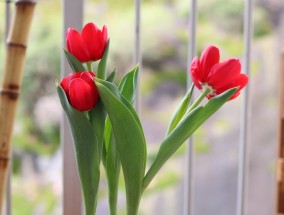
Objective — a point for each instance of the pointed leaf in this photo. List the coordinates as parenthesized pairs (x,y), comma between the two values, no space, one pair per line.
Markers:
(127,86)
(111,77)
(113,166)
(183,131)
(75,64)
(130,141)
(181,110)
(97,117)
(102,70)
(86,151)
(111,87)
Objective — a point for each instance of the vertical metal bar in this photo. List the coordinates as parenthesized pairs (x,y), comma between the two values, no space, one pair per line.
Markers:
(243,145)
(189,173)
(8,188)
(137,58)
(72,200)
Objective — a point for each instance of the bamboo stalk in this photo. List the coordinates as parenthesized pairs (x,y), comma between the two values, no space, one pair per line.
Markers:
(280,166)
(16,46)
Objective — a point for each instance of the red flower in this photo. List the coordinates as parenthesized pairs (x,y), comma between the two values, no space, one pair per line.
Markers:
(89,45)
(81,90)
(217,76)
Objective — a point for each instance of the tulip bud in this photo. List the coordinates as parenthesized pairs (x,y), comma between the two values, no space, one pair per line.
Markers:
(81,90)
(88,45)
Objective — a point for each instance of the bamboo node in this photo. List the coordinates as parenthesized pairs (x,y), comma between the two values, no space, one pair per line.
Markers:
(12,94)
(13,87)
(13,44)
(25,2)
(4,158)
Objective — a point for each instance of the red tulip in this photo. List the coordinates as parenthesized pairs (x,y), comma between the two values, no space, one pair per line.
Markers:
(81,90)
(88,45)
(217,76)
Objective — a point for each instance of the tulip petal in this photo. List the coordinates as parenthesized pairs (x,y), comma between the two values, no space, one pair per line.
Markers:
(93,36)
(65,82)
(76,45)
(105,34)
(240,82)
(223,74)
(81,96)
(195,73)
(89,78)
(209,57)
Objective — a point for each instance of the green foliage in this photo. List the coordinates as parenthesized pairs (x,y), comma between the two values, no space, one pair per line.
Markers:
(261,23)
(87,152)
(127,88)
(75,64)
(102,70)
(32,140)
(228,15)
(152,80)
(183,131)
(181,110)
(169,179)
(162,39)
(26,204)
(130,141)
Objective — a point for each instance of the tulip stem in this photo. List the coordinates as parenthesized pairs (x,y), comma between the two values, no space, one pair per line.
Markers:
(89,66)
(199,99)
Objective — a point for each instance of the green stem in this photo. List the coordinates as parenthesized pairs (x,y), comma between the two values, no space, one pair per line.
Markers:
(181,111)
(199,99)
(157,164)
(133,209)
(89,66)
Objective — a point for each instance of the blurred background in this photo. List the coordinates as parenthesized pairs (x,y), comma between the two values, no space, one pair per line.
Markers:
(37,164)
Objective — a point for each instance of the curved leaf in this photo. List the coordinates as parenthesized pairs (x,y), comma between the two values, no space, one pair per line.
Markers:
(130,141)
(112,164)
(102,70)
(188,125)
(75,64)
(127,85)
(97,117)
(181,110)
(111,87)
(111,76)
(86,151)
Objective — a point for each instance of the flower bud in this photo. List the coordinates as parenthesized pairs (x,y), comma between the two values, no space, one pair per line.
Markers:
(81,90)
(88,45)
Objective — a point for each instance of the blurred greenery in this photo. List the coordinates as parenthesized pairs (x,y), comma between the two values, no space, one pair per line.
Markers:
(164,48)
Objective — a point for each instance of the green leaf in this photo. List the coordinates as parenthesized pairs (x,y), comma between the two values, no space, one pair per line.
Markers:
(97,117)
(127,85)
(127,88)
(113,166)
(130,141)
(187,126)
(111,77)
(86,151)
(181,110)
(75,64)
(117,94)
(102,70)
